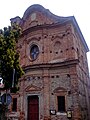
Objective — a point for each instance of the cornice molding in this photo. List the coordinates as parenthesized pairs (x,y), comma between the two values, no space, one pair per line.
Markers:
(66,63)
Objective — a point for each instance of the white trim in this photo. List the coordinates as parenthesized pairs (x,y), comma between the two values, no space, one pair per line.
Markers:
(59,113)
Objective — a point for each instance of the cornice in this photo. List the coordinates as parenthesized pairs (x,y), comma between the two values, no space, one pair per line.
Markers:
(66,63)
(44,26)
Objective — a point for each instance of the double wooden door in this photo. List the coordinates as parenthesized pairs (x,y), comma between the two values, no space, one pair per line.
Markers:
(33,107)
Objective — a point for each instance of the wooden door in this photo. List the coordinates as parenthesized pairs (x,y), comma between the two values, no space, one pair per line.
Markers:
(33,108)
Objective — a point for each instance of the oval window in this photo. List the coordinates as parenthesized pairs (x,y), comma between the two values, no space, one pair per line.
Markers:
(34,51)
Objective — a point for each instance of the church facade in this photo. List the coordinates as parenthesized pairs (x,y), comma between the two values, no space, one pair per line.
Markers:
(55,85)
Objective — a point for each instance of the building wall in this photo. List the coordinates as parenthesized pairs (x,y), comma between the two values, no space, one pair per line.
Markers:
(60,69)
(83,77)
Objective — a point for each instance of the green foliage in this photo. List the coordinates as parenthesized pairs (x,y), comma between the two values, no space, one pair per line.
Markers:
(9,57)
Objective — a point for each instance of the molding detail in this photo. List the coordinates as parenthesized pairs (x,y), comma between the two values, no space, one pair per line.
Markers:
(59,89)
(32,88)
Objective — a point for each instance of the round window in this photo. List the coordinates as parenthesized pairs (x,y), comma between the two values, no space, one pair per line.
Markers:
(34,51)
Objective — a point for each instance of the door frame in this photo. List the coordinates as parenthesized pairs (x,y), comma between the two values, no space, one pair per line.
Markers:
(27,104)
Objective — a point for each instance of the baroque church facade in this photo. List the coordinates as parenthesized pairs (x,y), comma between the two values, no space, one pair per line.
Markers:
(56,82)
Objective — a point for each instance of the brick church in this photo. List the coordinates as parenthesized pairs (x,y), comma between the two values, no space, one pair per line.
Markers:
(56,84)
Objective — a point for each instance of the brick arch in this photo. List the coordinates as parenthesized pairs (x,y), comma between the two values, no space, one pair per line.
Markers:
(57,42)
(57,45)
(56,37)
(34,39)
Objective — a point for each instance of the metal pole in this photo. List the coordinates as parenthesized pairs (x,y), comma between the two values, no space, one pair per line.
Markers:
(13,78)
(0,103)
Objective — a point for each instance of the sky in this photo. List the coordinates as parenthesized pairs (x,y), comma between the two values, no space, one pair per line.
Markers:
(77,8)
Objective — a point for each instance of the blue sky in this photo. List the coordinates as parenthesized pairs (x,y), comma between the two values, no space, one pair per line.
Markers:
(79,8)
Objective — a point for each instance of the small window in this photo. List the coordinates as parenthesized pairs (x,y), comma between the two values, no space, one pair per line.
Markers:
(61,103)
(14,105)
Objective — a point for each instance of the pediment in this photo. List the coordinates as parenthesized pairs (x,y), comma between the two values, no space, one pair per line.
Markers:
(35,11)
(38,15)
(59,89)
(37,18)
(32,88)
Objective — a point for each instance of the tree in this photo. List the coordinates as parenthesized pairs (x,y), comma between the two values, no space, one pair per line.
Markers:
(9,57)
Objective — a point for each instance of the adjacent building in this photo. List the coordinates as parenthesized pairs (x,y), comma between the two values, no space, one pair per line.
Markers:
(56,83)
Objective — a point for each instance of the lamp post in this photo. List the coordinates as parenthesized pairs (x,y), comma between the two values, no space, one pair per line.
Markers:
(1,86)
